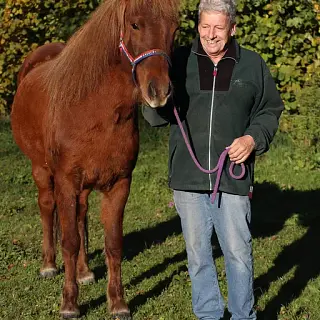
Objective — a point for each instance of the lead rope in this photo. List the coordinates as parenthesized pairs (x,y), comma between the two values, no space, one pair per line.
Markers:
(219,166)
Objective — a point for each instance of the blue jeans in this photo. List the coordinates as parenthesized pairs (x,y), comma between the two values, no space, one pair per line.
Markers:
(230,217)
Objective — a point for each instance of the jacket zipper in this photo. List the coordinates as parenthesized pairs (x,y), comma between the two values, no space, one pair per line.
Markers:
(215,71)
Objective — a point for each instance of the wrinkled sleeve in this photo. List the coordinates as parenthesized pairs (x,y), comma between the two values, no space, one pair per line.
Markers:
(264,119)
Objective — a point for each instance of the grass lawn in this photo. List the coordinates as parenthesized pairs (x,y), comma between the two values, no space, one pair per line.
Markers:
(286,230)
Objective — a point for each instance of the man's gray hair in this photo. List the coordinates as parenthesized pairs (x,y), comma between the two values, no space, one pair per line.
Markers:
(226,6)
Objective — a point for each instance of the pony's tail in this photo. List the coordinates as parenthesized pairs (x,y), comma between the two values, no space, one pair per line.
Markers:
(56,230)
(86,234)
(23,71)
(38,56)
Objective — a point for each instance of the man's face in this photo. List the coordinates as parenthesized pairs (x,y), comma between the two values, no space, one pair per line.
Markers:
(215,31)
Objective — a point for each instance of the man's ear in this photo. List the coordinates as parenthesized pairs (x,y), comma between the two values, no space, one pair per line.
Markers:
(233,30)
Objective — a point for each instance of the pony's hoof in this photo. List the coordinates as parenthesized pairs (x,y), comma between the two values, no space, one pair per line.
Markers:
(121,316)
(87,279)
(48,272)
(67,314)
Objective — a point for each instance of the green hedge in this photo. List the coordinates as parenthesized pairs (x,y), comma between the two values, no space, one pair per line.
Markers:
(284,32)
(287,35)
(26,24)
(304,127)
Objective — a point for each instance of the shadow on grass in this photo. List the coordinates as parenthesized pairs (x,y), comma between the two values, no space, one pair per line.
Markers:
(141,299)
(93,304)
(136,242)
(159,268)
(271,208)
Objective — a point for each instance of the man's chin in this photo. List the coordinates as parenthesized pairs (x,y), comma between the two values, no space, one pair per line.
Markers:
(213,53)
(213,50)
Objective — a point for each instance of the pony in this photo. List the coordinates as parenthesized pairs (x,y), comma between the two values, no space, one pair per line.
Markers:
(74,115)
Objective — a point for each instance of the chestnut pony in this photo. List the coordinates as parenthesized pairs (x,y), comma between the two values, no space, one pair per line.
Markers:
(75,117)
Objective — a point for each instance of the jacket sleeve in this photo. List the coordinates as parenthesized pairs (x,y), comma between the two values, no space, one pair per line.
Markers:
(164,115)
(158,117)
(264,119)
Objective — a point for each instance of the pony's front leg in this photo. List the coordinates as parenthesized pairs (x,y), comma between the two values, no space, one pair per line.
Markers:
(113,203)
(65,195)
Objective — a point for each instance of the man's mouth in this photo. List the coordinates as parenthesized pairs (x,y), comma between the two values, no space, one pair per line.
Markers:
(211,41)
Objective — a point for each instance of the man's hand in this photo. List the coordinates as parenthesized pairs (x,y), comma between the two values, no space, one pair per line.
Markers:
(241,148)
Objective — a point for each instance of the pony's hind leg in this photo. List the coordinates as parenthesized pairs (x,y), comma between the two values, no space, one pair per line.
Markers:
(84,275)
(113,203)
(43,180)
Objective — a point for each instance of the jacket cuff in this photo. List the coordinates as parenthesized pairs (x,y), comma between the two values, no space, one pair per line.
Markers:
(259,145)
(151,115)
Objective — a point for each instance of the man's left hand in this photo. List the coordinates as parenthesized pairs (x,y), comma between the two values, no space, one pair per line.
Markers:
(241,148)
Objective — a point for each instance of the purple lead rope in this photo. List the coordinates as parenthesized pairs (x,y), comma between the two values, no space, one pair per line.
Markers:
(219,166)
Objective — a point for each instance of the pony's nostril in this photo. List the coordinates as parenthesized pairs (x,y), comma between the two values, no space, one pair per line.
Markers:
(152,92)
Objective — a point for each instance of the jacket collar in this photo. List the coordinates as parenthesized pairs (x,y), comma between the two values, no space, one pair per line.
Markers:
(233,51)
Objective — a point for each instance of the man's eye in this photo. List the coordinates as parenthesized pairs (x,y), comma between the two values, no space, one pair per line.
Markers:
(134,26)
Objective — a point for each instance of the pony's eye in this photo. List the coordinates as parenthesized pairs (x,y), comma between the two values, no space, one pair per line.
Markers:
(134,26)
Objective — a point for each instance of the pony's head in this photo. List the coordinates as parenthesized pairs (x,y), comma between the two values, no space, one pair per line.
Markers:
(94,50)
(148,31)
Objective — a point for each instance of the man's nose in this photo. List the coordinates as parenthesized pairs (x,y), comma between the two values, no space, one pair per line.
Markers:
(212,33)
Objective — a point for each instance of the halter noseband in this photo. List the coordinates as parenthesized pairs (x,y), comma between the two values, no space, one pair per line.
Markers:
(135,61)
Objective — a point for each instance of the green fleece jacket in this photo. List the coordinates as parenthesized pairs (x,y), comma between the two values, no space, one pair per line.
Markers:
(217,104)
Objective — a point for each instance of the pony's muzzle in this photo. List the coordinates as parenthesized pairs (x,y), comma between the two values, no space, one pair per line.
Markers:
(152,91)
(157,95)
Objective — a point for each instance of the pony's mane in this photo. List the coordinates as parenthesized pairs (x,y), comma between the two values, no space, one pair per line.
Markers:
(79,68)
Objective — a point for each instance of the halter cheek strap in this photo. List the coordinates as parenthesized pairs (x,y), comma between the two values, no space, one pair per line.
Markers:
(135,61)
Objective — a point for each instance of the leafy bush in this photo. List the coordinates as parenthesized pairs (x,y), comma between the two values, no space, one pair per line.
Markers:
(284,32)
(2,5)
(26,24)
(304,127)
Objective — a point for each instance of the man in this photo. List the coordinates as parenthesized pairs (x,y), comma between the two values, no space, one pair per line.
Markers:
(225,97)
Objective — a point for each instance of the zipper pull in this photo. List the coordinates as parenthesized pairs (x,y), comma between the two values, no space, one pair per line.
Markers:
(250,192)
(215,71)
